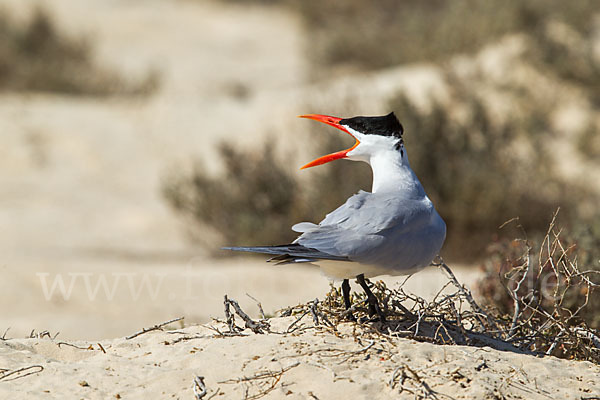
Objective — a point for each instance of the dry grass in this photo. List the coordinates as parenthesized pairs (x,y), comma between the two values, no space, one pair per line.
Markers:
(256,199)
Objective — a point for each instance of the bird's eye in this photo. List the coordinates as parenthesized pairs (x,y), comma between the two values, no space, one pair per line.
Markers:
(399,146)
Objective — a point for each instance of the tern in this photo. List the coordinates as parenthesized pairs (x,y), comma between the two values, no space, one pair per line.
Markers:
(392,230)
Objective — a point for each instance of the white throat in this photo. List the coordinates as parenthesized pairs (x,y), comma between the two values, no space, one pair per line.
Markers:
(390,166)
(392,172)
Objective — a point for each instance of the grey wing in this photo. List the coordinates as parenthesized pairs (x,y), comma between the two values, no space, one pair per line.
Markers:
(289,253)
(360,227)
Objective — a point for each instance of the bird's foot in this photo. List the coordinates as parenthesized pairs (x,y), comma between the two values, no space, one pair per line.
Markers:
(374,308)
(375,312)
(350,317)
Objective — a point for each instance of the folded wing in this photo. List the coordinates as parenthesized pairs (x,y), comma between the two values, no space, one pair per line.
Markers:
(368,224)
(289,253)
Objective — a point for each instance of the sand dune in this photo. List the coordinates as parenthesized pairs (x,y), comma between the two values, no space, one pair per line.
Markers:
(313,364)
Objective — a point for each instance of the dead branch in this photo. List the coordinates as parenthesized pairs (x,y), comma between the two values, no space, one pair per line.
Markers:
(467,294)
(392,381)
(229,317)
(551,298)
(262,375)
(101,348)
(314,312)
(260,326)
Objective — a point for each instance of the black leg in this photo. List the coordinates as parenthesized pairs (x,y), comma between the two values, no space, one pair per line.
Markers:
(346,294)
(373,303)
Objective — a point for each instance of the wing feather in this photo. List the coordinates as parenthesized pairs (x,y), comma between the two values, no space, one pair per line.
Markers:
(290,252)
(367,221)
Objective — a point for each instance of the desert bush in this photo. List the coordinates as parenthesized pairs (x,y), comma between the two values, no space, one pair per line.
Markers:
(588,143)
(476,179)
(388,32)
(36,57)
(546,289)
(259,196)
(567,51)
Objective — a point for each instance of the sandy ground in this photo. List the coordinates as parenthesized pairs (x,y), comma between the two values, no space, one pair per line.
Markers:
(106,298)
(315,364)
(80,178)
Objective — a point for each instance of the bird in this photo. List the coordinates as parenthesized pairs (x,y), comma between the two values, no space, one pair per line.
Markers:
(392,230)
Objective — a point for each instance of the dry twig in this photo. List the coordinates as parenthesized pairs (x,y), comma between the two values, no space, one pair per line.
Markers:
(272,379)
(42,335)
(75,346)
(466,293)
(20,373)
(260,309)
(199,387)
(549,296)
(154,328)
(260,326)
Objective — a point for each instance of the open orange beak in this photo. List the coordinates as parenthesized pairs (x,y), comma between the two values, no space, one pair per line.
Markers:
(335,122)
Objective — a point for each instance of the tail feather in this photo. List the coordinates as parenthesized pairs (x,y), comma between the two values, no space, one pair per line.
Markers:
(290,253)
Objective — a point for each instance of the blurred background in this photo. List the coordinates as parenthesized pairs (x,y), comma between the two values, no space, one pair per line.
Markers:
(137,137)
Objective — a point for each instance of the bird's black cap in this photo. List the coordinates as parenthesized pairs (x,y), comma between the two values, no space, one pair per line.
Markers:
(386,125)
